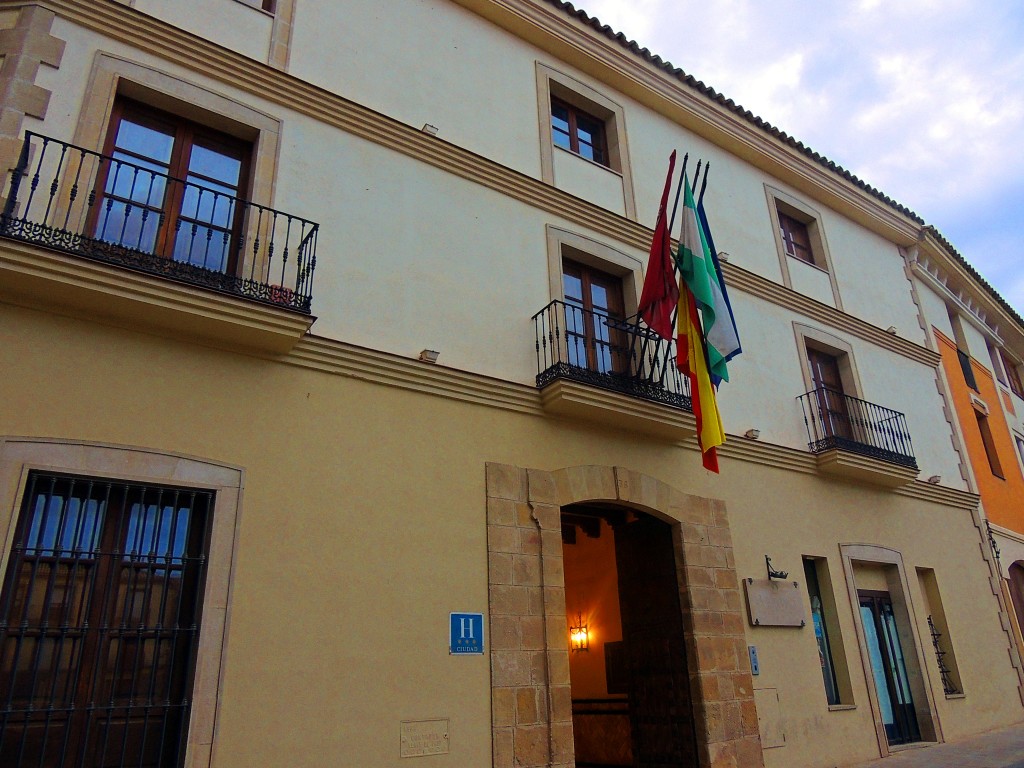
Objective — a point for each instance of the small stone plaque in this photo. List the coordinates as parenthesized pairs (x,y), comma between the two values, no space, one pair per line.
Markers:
(774,603)
(424,737)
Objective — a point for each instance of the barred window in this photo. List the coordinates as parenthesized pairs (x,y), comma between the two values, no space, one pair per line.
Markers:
(99,620)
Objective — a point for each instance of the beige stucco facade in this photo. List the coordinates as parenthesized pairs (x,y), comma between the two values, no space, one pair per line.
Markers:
(363,495)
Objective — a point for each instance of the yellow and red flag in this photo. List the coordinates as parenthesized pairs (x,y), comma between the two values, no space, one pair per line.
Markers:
(698,291)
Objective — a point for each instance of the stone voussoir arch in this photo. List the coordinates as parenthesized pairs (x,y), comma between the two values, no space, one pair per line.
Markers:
(531,699)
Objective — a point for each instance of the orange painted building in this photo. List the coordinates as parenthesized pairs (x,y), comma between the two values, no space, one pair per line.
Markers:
(987,439)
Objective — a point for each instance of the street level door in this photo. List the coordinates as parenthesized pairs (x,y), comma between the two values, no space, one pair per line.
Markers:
(888,667)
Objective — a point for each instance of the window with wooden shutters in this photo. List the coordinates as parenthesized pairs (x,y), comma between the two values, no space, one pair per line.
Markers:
(99,621)
(989,443)
(1012,374)
(795,238)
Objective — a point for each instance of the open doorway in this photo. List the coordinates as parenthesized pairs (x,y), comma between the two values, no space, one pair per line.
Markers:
(628,666)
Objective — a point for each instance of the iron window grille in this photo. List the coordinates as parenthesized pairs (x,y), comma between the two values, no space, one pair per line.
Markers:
(99,621)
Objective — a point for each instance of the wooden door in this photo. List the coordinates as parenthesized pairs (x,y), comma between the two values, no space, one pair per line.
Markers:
(661,710)
(833,418)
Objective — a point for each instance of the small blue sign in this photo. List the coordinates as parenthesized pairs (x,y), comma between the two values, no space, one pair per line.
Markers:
(467,633)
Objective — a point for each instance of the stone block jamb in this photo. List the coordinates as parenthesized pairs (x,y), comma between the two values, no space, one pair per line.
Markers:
(531,699)
(25,45)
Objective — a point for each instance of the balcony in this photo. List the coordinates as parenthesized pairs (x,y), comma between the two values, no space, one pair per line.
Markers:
(146,248)
(858,440)
(611,371)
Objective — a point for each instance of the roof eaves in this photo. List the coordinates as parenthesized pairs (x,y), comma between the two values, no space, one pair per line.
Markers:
(975,275)
(746,114)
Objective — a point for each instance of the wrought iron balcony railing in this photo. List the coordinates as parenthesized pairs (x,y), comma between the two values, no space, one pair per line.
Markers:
(620,355)
(108,209)
(836,420)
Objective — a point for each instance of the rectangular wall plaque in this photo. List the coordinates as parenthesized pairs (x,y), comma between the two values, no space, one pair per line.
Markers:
(424,737)
(774,603)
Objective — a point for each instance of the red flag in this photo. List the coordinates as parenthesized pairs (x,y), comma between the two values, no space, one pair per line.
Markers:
(661,289)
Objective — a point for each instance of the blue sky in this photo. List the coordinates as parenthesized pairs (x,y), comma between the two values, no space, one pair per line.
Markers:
(923,99)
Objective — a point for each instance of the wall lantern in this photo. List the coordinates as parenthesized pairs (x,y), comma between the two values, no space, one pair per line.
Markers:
(579,635)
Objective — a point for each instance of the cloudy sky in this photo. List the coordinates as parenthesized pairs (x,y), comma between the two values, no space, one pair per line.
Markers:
(923,99)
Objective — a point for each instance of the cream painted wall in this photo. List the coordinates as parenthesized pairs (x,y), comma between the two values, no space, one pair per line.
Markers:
(466,77)
(399,239)
(977,345)
(811,281)
(934,308)
(872,277)
(233,24)
(765,381)
(363,524)
(588,180)
(69,83)
(909,387)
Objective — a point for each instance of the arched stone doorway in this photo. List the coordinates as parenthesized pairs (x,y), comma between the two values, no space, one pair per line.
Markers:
(628,671)
(531,691)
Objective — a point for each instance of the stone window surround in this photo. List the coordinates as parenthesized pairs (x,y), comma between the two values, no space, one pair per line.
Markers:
(569,89)
(19,455)
(593,254)
(531,695)
(281,34)
(800,210)
(837,642)
(808,336)
(113,77)
(899,590)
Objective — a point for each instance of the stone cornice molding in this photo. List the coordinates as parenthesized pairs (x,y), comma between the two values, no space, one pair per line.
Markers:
(945,273)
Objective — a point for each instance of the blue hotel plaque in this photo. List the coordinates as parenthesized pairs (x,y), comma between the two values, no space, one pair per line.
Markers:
(467,633)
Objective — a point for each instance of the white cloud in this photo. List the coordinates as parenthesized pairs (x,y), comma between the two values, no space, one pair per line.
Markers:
(923,100)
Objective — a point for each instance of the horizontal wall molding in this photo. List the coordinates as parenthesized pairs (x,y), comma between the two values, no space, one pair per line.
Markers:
(338,358)
(383,368)
(266,83)
(780,295)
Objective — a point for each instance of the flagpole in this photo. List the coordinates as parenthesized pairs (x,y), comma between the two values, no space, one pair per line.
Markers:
(679,190)
(704,184)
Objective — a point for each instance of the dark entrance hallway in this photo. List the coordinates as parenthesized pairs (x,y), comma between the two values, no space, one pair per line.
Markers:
(628,666)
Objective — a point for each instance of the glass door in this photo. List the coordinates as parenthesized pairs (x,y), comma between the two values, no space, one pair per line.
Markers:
(888,668)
